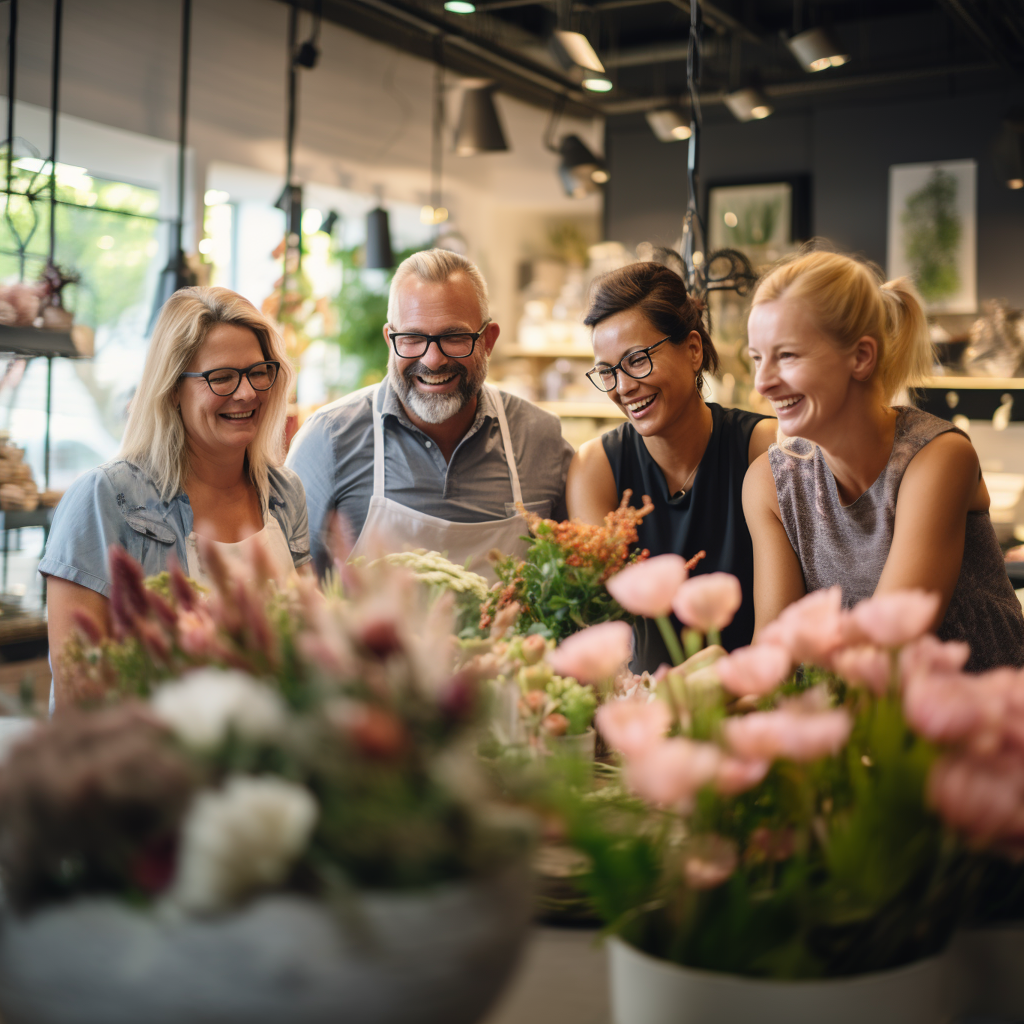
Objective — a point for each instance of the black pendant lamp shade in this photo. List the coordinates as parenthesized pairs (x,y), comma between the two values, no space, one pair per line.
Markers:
(479,129)
(378,241)
(580,170)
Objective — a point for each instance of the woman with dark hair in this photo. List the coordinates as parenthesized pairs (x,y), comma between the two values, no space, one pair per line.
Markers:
(652,353)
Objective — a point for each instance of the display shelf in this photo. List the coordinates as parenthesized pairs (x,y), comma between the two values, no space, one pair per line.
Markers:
(551,352)
(977,398)
(975,383)
(37,341)
(583,410)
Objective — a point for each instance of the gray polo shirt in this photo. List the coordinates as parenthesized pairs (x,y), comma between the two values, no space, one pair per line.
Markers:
(333,456)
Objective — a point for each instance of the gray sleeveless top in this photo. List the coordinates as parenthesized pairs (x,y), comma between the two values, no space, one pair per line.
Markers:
(848,545)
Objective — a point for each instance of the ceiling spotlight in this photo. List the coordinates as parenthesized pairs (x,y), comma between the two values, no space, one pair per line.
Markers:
(379,255)
(574,49)
(460,7)
(581,172)
(327,227)
(1015,183)
(596,83)
(433,214)
(479,129)
(816,51)
(748,104)
(668,125)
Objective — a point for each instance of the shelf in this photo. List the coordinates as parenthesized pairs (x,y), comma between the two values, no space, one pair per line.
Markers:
(16,519)
(974,383)
(551,352)
(36,341)
(583,410)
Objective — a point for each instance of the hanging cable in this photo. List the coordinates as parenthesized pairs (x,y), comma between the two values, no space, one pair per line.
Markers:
(693,229)
(58,13)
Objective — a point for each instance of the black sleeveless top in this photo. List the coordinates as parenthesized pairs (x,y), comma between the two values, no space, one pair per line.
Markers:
(708,517)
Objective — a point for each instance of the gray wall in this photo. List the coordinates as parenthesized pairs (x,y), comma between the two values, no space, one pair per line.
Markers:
(846,150)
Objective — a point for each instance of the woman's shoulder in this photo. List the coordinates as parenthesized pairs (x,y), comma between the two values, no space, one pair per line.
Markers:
(117,479)
(285,484)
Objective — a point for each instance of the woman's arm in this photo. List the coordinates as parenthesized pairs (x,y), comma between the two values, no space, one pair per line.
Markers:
(590,492)
(62,598)
(778,579)
(761,437)
(940,485)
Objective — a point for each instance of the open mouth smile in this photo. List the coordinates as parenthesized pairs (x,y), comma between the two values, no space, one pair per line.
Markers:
(239,415)
(436,380)
(784,404)
(634,408)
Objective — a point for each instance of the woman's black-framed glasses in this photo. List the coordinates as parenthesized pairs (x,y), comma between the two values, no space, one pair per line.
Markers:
(225,380)
(455,346)
(637,364)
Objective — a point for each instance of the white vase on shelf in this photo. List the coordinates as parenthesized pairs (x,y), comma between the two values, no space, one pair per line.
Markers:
(646,990)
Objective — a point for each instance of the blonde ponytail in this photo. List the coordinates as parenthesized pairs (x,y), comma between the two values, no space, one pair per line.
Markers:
(848,301)
(907,356)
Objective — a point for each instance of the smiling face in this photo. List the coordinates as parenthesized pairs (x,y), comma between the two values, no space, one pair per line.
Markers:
(436,387)
(652,402)
(802,370)
(214,423)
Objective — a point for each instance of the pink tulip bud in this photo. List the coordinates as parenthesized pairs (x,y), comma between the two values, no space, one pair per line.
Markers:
(892,620)
(594,655)
(670,773)
(648,587)
(633,725)
(754,671)
(865,666)
(708,602)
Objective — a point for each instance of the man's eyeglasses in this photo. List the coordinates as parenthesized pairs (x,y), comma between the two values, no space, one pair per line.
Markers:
(636,364)
(225,381)
(452,346)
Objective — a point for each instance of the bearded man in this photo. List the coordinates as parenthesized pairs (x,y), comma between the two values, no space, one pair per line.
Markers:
(433,457)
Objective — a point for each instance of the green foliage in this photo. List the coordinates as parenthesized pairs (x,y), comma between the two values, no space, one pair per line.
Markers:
(933,231)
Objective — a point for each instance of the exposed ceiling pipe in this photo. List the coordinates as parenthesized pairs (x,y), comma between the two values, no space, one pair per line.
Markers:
(960,12)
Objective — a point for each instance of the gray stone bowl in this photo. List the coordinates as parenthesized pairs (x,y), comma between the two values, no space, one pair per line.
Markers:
(439,956)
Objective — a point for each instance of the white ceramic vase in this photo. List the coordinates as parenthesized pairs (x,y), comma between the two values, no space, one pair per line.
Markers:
(646,990)
(990,962)
(433,957)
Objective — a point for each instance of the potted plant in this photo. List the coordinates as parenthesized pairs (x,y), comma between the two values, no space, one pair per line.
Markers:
(267,808)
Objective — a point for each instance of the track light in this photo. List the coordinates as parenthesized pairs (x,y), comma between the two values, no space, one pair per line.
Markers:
(479,129)
(668,125)
(573,49)
(597,83)
(378,241)
(748,104)
(816,50)
(581,172)
(460,7)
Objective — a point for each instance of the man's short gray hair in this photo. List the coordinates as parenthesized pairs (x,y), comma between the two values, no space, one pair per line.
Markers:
(436,266)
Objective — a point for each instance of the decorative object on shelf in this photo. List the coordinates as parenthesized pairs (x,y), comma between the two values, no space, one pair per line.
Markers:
(54,316)
(294,827)
(996,346)
(932,234)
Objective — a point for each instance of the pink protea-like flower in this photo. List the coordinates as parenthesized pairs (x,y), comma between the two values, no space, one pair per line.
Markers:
(811,629)
(595,654)
(754,671)
(864,665)
(648,587)
(793,732)
(708,602)
(892,620)
(633,726)
(930,654)
(982,797)
(709,861)
(669,773)
(736,776)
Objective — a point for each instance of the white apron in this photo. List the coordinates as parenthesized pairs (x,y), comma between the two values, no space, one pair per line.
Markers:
(390,526)
(271,538)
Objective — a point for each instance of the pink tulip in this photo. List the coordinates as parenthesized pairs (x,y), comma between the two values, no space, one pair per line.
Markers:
(669,774)
(983,797)
(595,654)
(633,726)
(789,733)
(930,654)
(710,860)
(811,629)
(708,602)
(892,620)
(864,666)
(647,588)
(754,671)
(736,776)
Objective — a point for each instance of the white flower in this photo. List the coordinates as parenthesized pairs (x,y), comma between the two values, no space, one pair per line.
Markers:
(203,706)
(243,837)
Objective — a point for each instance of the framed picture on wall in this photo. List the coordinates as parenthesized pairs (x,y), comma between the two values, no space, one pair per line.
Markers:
(933,232)
(763,219)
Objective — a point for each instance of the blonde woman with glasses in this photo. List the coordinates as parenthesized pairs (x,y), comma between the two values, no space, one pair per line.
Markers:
(866,495)
(201,454)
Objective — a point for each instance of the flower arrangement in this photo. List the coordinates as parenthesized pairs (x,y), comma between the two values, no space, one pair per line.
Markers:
(560,586)
(253,740)
(823,823)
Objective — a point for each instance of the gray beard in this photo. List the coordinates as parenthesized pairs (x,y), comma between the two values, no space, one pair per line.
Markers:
(437,408)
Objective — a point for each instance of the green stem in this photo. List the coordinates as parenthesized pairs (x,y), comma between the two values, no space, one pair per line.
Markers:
(668,634)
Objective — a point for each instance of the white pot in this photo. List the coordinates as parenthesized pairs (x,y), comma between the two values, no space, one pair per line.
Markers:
(991,966)
(646,990)
(434,957)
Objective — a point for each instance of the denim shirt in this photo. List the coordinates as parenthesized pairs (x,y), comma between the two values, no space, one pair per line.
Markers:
(116,503)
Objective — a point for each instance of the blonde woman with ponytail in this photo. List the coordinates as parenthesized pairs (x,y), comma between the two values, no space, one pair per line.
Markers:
(866,495)
(201,453)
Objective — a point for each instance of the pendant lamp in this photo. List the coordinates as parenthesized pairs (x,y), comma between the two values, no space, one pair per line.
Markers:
(177,273)
(582,173)
(378,241)
(479,129)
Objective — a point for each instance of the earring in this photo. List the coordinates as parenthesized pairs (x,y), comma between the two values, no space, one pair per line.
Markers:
(699,382)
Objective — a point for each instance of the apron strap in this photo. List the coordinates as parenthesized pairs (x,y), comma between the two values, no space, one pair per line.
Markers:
(506,440)
(378,445)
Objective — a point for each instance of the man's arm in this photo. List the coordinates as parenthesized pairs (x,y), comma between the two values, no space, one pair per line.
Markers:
(311,457)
